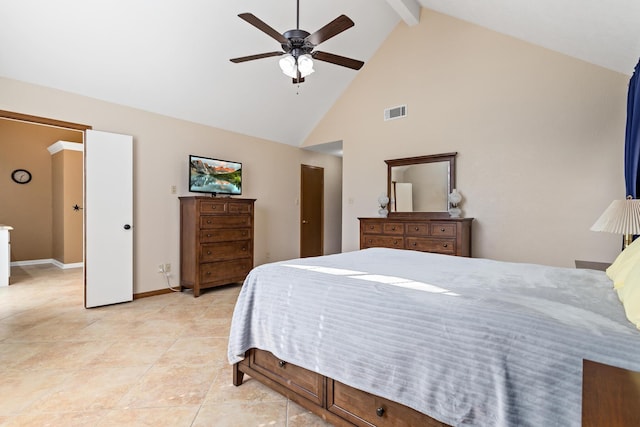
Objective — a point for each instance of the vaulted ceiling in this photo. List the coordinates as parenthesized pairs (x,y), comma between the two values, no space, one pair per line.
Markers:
(172,56)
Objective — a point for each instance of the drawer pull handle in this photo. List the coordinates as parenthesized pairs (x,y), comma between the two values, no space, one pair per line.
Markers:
(371,227)
(208,273)
(281,363)
(380,411)
(208,221)
(415,244)
(444,245)
(208,235)
(393,228)
(417,228)
(208,252)
(395,242)
(442,229)
(244,249)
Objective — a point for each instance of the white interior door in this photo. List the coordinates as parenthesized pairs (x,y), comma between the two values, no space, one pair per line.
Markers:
(108,209)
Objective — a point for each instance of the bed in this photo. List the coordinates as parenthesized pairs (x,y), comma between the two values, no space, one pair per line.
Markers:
(456,341)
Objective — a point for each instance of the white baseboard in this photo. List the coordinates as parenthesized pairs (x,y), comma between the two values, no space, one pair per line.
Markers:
(47,261)
(65,266)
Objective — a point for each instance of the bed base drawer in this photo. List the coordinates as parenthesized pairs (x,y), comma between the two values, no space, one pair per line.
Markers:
(301,381)
(366,410)
(336,403)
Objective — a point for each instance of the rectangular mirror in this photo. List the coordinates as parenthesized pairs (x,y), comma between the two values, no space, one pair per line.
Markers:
(420,184)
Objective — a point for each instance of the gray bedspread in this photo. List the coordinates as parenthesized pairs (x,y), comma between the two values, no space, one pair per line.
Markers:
(470,342)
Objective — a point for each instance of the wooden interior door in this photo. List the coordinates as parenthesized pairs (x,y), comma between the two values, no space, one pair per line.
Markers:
(108,213)
(311,211)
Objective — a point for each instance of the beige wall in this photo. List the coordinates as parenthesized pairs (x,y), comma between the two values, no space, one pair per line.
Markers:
(540,137)
(28,207)
(161,147)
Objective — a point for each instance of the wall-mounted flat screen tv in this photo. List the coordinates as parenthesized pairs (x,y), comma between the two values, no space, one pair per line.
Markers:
(215,176)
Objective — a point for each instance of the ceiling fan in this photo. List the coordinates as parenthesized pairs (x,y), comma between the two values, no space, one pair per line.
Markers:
(297,46)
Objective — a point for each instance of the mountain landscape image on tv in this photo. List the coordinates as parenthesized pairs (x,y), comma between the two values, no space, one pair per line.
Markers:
(214,176)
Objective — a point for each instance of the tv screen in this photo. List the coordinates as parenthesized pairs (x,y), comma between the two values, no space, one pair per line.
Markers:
(214,176)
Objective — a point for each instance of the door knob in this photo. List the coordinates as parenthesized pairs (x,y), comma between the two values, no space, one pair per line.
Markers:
(304,221)
(127,227)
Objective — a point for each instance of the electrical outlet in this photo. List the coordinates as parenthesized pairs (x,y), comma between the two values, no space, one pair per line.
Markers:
(167,268)
(160,268)
(173,189)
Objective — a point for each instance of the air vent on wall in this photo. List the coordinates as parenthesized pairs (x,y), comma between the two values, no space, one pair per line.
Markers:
(395,112)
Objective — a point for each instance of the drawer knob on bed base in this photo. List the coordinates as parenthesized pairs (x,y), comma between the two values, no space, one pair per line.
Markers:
(444,245)
(380,411)
(282,363)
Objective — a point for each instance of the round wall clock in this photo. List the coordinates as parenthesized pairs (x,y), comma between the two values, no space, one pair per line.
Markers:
(21,176)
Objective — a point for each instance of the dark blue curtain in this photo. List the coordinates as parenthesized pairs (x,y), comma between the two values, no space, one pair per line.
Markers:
(632,137)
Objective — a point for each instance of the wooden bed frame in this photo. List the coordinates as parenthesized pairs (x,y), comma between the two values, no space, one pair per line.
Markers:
(337,403)
(610,395)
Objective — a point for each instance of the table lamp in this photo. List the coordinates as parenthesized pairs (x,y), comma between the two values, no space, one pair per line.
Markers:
(621,217)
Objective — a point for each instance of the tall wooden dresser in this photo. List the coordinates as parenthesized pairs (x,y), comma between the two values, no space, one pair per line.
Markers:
(450,236)
(216,241)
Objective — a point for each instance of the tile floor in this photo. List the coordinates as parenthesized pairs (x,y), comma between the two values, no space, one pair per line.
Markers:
(157,361)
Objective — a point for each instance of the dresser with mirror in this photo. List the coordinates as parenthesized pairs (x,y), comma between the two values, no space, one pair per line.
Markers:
(418,210)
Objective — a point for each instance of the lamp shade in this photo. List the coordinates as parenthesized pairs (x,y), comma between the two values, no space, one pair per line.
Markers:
(288,66)
(305,65)
(621,217)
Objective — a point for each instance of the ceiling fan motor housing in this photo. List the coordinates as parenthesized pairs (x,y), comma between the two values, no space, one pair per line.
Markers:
(297,45)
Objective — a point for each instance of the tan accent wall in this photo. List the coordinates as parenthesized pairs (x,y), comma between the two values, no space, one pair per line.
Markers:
(67,172)
(540,137)
(161,146)
(28,207)
(57,206)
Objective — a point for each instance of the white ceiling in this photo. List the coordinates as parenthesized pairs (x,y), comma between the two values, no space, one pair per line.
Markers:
(172,56)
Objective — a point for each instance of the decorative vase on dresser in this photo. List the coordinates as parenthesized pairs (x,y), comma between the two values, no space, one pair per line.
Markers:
(450,236)
(216,241)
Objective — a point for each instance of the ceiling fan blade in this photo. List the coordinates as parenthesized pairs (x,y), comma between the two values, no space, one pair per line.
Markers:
(333,28)
(258,56)
(337,59)
(259,24)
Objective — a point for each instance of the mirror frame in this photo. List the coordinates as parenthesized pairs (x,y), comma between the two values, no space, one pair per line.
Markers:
(444,157)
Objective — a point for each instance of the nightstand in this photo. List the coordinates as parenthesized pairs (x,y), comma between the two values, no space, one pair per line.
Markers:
(592,265)
(610,396)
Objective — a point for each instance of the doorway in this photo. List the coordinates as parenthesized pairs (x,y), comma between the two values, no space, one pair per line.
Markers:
(311,211)
(46,228)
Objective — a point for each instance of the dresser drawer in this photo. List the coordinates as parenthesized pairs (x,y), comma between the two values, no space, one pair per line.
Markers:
(239,208)
(211,221)
(225,271)
(302,381)
(443,229)
(417,229)
(210,235)
(222,251)
(371,227)
(366,410)
(213,207)
(393,228)
(373,241)
(441,246)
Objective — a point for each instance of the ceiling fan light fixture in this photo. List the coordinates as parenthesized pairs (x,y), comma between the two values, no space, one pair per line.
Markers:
(305,65)
(288,65)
